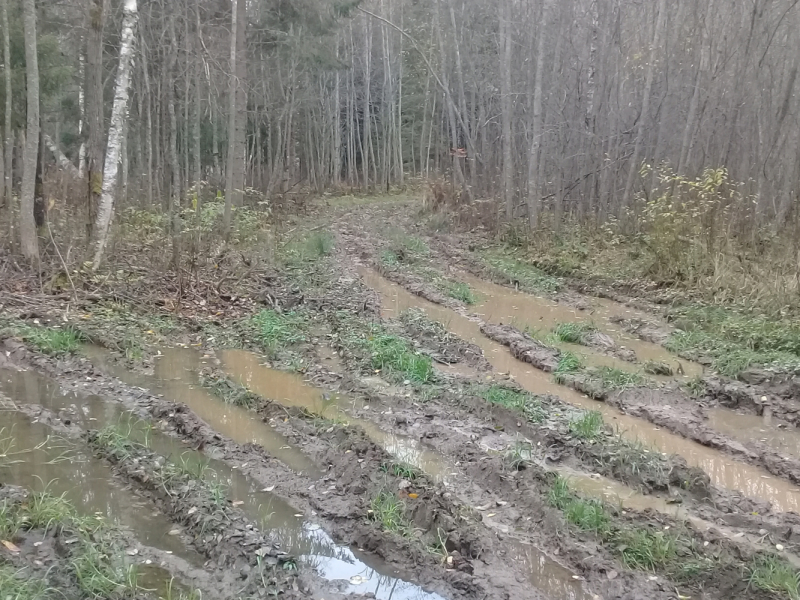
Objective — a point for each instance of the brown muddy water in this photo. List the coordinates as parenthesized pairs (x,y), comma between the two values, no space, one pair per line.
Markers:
(499,304)
(176,378)
(723,470)
(296,535)
(752,428)
(37,459)
(289,389)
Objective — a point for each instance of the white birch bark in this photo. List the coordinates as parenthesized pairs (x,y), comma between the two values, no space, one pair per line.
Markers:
(116,132)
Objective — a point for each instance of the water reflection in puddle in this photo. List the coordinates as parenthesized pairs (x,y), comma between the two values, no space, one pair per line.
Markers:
(723,471)
(290,530)
(50,463)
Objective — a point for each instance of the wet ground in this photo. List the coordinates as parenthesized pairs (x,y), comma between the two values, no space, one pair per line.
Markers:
(300,470)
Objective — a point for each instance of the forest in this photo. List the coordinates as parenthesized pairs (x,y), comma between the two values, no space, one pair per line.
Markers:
(399,299)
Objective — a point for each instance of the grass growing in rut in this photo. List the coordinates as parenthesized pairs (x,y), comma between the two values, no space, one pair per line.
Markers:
(640,548)
(526,403)
(588,426)
(276,330)
(229,391)
(390,511)
(735,340)
(50,340)
(617,379)
(462,291)
(394,354)
(519,273)
(773,574)
(573,333)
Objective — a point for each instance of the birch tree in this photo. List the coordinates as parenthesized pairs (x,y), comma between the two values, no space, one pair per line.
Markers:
(27,226)
(93,100)
(119,115)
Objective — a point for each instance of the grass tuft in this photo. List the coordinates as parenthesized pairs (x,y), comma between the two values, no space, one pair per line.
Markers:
(617,379)
(276,330)
(568,362)
(462,291)
(528,404)
(52,340)
(401,469)
(573,333)
(394,354)
(520,273)
(228,390)
(388,510)
(773,574)
(519,455)
(589,426)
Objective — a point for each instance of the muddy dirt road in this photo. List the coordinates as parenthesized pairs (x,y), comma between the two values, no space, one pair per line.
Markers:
(389,418)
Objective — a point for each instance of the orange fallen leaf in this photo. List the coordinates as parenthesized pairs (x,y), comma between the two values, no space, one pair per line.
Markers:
(413,496)
(10,545)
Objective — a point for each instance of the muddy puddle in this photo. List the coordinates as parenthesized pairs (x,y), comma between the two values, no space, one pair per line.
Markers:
(723,470)
(290,390)
(752,428)
(499,304)
(176,379)
(39,460)
(291,531)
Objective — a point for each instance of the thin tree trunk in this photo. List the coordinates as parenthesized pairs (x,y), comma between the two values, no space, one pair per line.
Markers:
(28,238)
(116,132)
(237,119)
(97,10)
(8,136)
(505,102)
(537,126)
(633,168)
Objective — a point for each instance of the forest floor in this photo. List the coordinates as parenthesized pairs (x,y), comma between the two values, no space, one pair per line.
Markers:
(383,408)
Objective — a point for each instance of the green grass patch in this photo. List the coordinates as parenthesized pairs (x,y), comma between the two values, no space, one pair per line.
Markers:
(94,559)
(734,340)
(641,548)
(314,246)
(573,333)
(462,292)
(394,354)
(401,469)
(276,330)
(51,340)
(772,574)
(389,258)
(588,426)
(228,390)
(568,362)
(16,584)
(519,273)
(523,402)
(390,511)
(617,379)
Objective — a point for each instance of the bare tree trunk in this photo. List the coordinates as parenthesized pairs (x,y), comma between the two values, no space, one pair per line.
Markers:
(82,109)
(237,119)
(27,226)
(116,132)
(505,103)
(537,126)
(8,137)
(97,10)
(633,168)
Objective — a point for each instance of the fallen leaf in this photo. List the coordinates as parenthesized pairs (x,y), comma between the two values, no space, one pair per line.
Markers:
(238,502)
(191,511)
(268,489)
(175,531)
(490,515)
(357,580)
(10,545)
(413,496)
(779,547)
(612,575)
